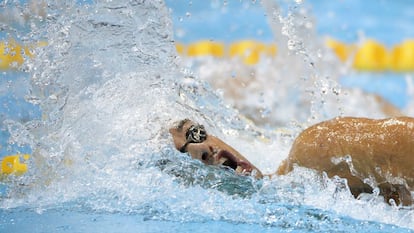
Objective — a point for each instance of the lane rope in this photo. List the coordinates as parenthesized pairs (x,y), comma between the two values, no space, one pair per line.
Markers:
(370,55)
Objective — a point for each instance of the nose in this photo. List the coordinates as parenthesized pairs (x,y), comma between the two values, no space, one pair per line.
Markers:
(207,155)
(201,152)
(204,156)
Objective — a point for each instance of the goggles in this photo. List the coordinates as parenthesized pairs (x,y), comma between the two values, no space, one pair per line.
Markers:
(195,134)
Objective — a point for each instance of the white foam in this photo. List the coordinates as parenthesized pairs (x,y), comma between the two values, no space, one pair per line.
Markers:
(116,88)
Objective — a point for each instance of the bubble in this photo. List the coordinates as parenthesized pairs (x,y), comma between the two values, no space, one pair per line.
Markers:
(295,45)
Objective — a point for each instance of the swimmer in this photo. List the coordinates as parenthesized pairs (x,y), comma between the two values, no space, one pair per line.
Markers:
(192,138)
(356,149)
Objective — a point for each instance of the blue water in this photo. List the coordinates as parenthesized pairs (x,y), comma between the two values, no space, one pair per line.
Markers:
(94,107)
(384,20)
(312,220)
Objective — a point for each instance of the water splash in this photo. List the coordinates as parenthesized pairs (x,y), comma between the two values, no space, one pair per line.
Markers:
(109,86)
(297,86)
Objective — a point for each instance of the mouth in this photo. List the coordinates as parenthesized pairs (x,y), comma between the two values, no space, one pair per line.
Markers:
(228,160)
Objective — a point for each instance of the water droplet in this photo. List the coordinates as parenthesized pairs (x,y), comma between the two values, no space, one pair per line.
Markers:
(233,74)
(319,53)
(336,91)
(294,45)
(265,112)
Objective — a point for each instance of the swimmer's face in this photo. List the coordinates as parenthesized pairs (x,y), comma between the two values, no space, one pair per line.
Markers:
(192,138)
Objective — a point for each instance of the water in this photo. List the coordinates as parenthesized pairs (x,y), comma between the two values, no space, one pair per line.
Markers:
(102,95)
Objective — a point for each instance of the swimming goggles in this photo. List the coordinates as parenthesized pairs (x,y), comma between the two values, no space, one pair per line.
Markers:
(195,134)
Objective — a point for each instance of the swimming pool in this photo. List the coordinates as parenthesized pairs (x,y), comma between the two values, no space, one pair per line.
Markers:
(109,84)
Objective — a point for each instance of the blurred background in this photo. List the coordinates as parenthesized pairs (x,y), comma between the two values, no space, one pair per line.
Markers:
(348,20)
(374,36)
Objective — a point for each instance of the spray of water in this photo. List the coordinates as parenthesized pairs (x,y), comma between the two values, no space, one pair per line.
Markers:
(299,85)
(109,86)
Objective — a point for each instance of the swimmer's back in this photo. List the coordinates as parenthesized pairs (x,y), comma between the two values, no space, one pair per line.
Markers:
(383,149)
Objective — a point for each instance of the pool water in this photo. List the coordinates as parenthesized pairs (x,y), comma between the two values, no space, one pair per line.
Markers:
(93,108)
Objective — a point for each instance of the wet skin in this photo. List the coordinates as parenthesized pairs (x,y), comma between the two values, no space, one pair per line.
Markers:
(212,151)
(357,149)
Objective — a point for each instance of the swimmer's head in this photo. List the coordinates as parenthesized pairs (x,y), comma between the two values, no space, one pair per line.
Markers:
(192,138)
